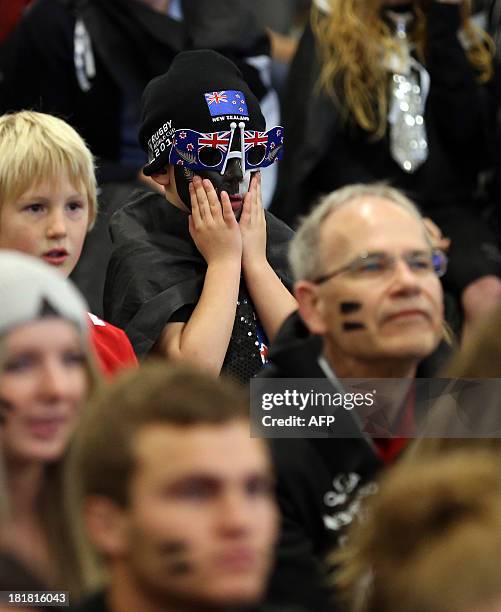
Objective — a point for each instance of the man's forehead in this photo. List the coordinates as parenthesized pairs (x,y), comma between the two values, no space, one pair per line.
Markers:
(371,223)
(199,447)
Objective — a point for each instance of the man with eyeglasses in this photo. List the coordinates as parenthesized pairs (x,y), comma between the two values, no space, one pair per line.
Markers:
(370,306)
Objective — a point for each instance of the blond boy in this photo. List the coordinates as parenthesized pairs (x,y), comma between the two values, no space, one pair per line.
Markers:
(48,204)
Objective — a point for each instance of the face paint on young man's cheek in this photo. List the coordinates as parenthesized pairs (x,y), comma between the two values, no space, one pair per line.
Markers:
(5,408)
(175,553)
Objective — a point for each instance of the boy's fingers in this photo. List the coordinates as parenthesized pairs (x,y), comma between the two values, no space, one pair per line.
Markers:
(247,208)
(259,199)
(214,203)
(195,209)
(201,196)
(227,210)
(247,212)
(260,196)
(254,199)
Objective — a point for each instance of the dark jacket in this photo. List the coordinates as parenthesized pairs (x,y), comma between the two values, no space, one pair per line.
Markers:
(131,44)
(40,72)
(320,481)
(97,603)
(156,269)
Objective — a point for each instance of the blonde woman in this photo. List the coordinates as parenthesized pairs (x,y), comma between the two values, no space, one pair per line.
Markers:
(398,91)
(46,373)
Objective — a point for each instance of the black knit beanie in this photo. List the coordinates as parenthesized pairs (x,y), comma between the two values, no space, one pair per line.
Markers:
(183,98)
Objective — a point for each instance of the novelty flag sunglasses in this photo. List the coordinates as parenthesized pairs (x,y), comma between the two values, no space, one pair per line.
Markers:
(213,150)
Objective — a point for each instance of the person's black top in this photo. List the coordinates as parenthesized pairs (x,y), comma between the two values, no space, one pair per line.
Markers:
(156,276)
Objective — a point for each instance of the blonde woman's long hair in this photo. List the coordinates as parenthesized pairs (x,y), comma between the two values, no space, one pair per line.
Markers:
(353,42)
(63,545)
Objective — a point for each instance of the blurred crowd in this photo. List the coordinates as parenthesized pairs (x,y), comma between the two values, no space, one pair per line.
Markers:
(200,201)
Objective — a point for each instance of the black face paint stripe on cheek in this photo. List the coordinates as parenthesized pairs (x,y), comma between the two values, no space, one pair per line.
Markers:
(5,407)
(353,326)
(173,547)
(175,550)
(180,567)
(349,307)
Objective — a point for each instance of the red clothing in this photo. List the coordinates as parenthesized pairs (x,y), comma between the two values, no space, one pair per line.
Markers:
(390,448)
(112,348)
(11,12)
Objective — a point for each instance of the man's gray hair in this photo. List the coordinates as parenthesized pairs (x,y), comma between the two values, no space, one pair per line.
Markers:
(304,251)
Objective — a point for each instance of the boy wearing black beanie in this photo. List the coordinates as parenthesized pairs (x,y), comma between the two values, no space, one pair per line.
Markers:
(203,277)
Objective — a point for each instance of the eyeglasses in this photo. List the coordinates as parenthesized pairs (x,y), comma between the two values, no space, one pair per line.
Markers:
(378,265)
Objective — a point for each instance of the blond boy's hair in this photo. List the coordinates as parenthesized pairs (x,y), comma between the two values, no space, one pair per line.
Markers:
(36,147)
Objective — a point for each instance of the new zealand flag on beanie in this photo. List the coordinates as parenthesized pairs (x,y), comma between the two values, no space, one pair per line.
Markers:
(202,91)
